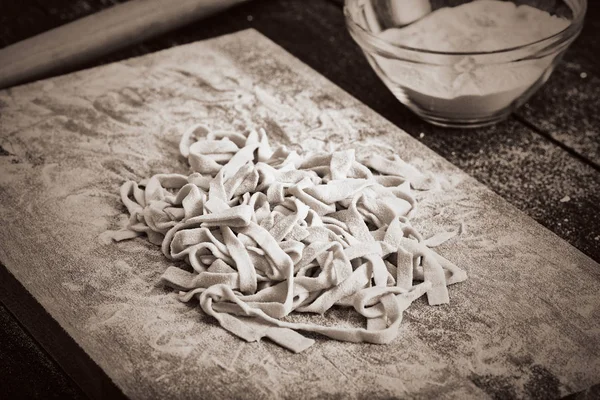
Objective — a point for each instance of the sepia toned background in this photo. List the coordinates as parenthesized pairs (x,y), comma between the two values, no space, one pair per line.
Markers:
(545,160)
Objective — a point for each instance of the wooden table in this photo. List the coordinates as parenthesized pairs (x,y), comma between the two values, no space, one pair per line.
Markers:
(545,159)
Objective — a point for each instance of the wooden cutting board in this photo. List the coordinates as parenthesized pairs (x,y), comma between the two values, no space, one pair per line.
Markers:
(526,323)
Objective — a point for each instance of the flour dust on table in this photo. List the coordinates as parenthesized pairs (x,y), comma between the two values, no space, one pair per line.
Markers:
(524,319)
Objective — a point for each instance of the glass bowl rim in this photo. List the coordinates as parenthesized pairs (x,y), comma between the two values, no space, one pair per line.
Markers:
(569,32)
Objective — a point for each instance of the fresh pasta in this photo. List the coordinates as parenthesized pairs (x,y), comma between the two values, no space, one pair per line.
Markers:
(268,232)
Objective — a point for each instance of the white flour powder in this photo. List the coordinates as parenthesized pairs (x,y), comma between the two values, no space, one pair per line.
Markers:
(473,85)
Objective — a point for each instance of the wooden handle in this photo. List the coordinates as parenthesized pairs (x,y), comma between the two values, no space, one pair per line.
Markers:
(99,34)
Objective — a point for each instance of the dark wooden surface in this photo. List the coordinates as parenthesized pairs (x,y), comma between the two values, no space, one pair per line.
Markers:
(548,150)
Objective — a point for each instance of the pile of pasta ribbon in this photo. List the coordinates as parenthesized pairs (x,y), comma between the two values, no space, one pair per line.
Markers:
(270,231)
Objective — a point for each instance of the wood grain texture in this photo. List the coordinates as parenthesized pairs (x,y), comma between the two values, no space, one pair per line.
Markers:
(72,373)
(50,383)
(525,324)
(315,33)
(566,108)
(98,34)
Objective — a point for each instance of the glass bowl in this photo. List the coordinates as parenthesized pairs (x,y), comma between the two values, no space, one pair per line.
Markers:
(464,63)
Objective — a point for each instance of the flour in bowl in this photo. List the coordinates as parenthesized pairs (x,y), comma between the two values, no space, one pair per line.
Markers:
(470,84)
(483,25)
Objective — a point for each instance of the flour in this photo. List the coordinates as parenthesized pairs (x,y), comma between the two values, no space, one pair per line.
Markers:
(479,26)
(483,25)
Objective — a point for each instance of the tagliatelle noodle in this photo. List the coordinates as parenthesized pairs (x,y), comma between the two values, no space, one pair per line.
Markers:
(268,232)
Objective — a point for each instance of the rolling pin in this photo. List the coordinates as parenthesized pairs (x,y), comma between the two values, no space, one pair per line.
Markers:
(99,34)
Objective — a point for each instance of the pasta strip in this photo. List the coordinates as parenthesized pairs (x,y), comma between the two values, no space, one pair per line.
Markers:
(269,232)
